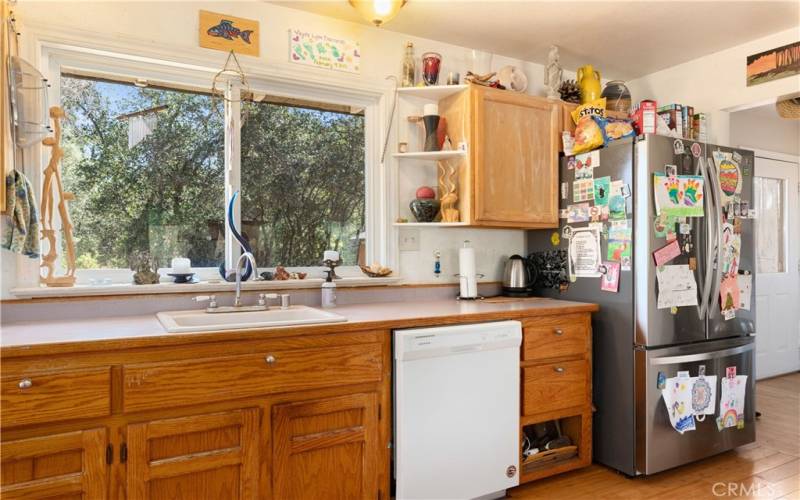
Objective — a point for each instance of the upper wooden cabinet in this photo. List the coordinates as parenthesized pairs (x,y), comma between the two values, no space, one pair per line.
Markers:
(510,177)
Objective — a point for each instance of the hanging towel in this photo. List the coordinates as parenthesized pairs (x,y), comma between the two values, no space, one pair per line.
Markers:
(21,220)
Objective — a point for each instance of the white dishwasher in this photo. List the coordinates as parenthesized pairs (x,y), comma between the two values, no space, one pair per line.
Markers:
(456,409)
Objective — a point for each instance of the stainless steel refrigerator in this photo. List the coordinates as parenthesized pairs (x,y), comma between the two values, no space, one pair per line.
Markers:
(635,343)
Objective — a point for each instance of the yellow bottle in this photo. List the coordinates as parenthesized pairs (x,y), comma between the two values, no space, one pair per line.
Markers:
(589,81)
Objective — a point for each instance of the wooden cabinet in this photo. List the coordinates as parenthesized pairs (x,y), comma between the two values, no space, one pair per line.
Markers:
(557,386)
(195,381)
(69,465)
(212,456)
(278,417)
(510,176)
(50,396)
(319,443)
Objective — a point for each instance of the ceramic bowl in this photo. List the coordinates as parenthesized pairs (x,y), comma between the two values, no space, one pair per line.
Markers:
(424,210)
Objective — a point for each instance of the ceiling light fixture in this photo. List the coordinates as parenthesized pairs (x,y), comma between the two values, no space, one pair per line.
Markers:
(378,12)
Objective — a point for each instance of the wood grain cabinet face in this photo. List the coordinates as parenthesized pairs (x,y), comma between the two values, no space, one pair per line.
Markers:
(515,159)
(151,385)
(33,398)
(211,456)
(71,465)
(555,337)
(554,386)
(327,448)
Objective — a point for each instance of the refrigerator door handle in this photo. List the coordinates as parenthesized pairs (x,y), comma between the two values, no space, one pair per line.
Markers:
(718,223)
(705,297)
(691,358)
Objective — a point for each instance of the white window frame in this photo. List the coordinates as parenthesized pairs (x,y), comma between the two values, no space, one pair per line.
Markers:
(55,57)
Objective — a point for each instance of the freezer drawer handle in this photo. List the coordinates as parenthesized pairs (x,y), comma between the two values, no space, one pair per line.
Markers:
(689,358)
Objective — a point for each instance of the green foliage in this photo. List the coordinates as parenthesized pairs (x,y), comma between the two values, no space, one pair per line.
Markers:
(302,179)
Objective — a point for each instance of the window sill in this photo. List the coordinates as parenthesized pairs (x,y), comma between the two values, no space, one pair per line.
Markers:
(201,287)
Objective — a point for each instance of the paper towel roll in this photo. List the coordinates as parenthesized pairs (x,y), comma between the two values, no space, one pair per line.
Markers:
(430,109)
(468,283)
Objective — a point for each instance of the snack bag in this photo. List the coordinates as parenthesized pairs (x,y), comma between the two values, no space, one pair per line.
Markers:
(593,108)
(618,129)
(588,134)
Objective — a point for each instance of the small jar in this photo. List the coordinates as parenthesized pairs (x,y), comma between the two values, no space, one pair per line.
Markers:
(431,65)
(618,97)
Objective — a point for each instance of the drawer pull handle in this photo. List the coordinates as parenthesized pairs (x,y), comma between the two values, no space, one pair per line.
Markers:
(558,369)
(25,383)
(558,331)
(270,359)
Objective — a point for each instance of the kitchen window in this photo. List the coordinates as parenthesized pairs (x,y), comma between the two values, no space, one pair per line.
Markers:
(146,162)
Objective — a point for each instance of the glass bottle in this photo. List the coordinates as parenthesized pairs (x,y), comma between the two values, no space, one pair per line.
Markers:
(409,75)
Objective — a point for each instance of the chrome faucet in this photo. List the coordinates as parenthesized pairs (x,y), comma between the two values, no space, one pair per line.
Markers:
(237,302)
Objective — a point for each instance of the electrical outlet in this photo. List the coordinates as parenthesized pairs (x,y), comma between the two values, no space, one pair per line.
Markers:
(409,240)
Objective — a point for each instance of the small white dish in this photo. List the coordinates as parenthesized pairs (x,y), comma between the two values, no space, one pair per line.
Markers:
(512,78)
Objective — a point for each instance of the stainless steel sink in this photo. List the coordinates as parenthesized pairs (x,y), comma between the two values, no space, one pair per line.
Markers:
(201,321)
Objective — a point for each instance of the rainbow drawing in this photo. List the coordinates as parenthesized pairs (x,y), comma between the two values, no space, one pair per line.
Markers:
(730,418)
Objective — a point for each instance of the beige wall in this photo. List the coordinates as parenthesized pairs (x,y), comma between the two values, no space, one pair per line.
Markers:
(716,83)
(762,128)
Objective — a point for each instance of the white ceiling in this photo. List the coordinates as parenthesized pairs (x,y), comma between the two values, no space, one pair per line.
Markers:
(623,39)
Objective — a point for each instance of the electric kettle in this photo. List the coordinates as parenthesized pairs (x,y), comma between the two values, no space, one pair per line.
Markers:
(517,277)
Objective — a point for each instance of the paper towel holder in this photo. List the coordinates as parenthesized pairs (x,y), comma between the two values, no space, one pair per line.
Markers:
(462,277)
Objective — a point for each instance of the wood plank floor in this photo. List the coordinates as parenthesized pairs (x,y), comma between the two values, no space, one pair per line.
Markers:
(768,468)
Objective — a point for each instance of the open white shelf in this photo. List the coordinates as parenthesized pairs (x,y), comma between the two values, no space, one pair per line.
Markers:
(430,224)
(430,155)
(434,92)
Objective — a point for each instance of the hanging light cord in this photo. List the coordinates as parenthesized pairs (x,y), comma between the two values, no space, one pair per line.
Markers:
(391,120)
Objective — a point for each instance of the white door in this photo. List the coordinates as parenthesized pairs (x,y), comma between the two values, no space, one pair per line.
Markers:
(777,265)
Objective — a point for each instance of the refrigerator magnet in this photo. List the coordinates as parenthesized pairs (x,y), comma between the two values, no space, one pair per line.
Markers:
(564,190)
(610,280)
(696,150)
(677,147)
(661,381)
(671,170)
(666,253)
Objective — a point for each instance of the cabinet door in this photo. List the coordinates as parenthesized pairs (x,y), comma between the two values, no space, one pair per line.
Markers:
(68,466)
(212,456)
(515,158)
(327,448)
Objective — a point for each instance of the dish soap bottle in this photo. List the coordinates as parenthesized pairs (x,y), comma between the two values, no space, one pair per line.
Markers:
(328,292)
(409,72)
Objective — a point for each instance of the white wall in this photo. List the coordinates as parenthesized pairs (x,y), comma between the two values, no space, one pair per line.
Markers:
(763,128)
(716,83)
(146,28)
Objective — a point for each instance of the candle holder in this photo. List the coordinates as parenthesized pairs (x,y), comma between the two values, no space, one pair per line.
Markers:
(332,264)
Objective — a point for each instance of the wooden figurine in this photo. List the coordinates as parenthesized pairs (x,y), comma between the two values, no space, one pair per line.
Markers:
(447,192)
(52,181)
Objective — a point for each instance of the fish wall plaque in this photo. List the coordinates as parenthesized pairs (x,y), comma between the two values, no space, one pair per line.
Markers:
(224,32)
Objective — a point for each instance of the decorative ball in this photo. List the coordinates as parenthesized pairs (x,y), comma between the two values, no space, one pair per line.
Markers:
(425,193)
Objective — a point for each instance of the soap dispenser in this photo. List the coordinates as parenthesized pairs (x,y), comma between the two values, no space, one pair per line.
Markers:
(329,291)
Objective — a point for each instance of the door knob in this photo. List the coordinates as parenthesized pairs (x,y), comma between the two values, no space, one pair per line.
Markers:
(270,359)
(558,331)
(25,383)
(558,369)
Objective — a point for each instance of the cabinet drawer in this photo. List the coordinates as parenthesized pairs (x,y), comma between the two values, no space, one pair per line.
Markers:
(554,386)
(51,396)
(154,385)
(555,337)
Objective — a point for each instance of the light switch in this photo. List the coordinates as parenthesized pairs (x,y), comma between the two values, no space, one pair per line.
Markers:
(409,239)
